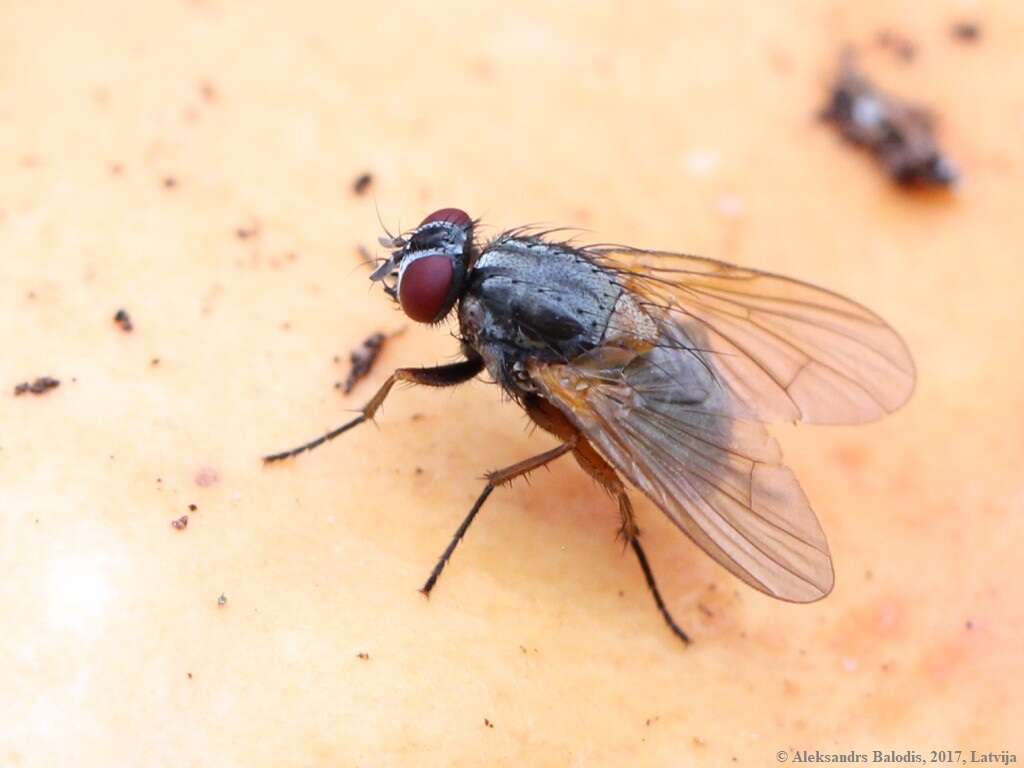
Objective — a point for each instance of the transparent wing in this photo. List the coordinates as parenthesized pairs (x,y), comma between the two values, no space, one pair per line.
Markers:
(786,350)
(659,418)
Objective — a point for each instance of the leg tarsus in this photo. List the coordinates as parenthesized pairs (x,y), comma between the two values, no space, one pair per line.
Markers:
(597,467)
(653,586)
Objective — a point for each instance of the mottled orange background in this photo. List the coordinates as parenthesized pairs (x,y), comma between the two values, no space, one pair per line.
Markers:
(136,139)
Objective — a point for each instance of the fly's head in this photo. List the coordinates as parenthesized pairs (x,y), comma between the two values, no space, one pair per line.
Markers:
(426,272)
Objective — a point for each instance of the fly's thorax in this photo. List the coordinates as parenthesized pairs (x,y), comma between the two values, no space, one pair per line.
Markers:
(547,297)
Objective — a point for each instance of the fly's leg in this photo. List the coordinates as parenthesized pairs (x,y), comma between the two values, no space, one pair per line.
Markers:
(494,479)
(548,417)
(439,376)
(601,471)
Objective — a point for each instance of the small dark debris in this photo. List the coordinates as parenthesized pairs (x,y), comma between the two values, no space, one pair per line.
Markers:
(362,183)
(38,387)
(362,359)
(968,624)
(193,508)
(155,361)
(363,655)
(898,134)
(900,45)
(180,524)
(189,675)
(170,182)
(124,320)
(967,31)
(488,723)
(222,600)
(244,233)
(206,477)
(418,471)
(208,91)
(652,720)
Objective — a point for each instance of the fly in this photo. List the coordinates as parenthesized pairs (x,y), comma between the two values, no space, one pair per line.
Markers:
(654,369)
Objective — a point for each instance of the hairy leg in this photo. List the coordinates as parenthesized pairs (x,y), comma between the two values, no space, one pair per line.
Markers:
(438,376)
(494,479)
(593,463)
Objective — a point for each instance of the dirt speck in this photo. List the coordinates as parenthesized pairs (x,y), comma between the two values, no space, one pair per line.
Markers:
(208,91)
(362,183)
(180,524)
(363,655)
(899,134)
(222,600)
(248,232)
(900,45)
(123,320)
(966,31)
(193,508)
(169,182)
(38,387)
(362,359)
(488,723)
(206,477)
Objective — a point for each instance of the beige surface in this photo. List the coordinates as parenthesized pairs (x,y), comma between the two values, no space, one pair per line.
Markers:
(652,125)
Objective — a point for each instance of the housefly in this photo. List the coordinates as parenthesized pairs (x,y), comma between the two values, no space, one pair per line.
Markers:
(656,369)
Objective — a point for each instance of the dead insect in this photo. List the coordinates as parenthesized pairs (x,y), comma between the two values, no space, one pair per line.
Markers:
(658,368)
(900,135)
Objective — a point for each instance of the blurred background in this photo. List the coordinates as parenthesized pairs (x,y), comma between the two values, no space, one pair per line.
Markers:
(194,162)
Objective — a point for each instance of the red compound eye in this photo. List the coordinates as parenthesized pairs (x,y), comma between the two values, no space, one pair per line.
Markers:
(455,216)
(424,286)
